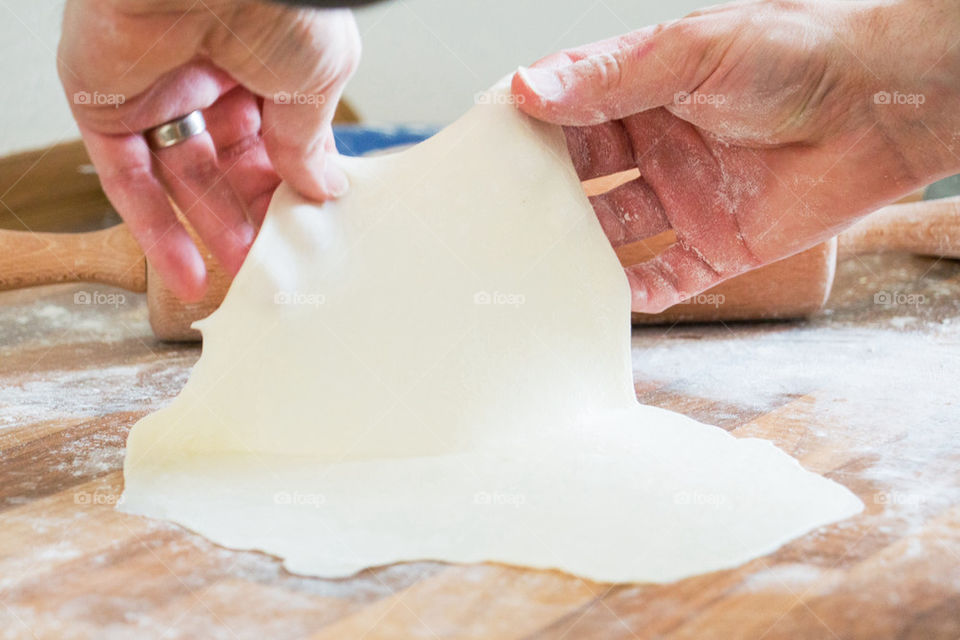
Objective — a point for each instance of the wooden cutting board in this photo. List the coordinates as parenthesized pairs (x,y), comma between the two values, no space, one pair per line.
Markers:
(865,394)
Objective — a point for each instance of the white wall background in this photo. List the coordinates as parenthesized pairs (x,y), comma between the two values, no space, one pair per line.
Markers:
(423,59)
(33,109)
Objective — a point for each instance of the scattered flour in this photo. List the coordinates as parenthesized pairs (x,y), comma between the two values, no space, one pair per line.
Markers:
(89,393)
(891,396)
(783,576)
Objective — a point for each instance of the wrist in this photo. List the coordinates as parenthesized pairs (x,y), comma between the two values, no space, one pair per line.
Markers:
(911,54)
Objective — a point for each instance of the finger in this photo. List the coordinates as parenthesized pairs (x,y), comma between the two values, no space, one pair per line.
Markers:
(192,175)
(700,191)
(304,61)
(234,125)
(631,212)
(615,78)
(124,166)
(678,273)
(299,141)
(600,150)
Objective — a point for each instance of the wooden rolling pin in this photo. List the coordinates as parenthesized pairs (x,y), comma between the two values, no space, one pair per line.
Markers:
(112,257)
(795,287)
(800,285)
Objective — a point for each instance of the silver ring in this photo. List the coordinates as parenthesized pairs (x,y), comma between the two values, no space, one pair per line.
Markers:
(176,131)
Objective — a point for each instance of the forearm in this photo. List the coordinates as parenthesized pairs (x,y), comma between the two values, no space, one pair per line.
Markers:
(911,49)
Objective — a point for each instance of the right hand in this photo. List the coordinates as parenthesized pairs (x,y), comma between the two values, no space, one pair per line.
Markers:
(760,128)
(267,78)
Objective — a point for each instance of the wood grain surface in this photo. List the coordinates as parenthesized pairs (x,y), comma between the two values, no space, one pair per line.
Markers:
(865,393)
(108,256)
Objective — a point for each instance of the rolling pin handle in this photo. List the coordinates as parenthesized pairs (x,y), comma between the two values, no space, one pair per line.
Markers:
(929,228)
(109,256)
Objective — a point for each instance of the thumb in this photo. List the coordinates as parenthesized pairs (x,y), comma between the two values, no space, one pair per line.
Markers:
(615,78)
(299,140)
(300,66)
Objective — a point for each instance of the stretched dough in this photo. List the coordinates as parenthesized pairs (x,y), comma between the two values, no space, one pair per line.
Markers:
(437,366)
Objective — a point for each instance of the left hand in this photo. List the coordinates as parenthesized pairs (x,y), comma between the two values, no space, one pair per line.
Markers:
(267,78)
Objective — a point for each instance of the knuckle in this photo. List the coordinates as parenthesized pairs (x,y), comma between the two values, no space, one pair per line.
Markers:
(134,176)
(334,42)
(290,153)
(202,171)
(608,70)
(246,122)
(235,150)
(339,60)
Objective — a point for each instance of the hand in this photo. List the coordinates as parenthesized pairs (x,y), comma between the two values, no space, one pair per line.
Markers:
(268,79)
(759,128)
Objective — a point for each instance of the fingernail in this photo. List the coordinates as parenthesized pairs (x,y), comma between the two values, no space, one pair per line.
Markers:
(247,234)
(545,82)
(335,180)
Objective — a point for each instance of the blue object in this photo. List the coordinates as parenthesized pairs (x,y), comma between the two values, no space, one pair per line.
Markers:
(943,189)
(358,140)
